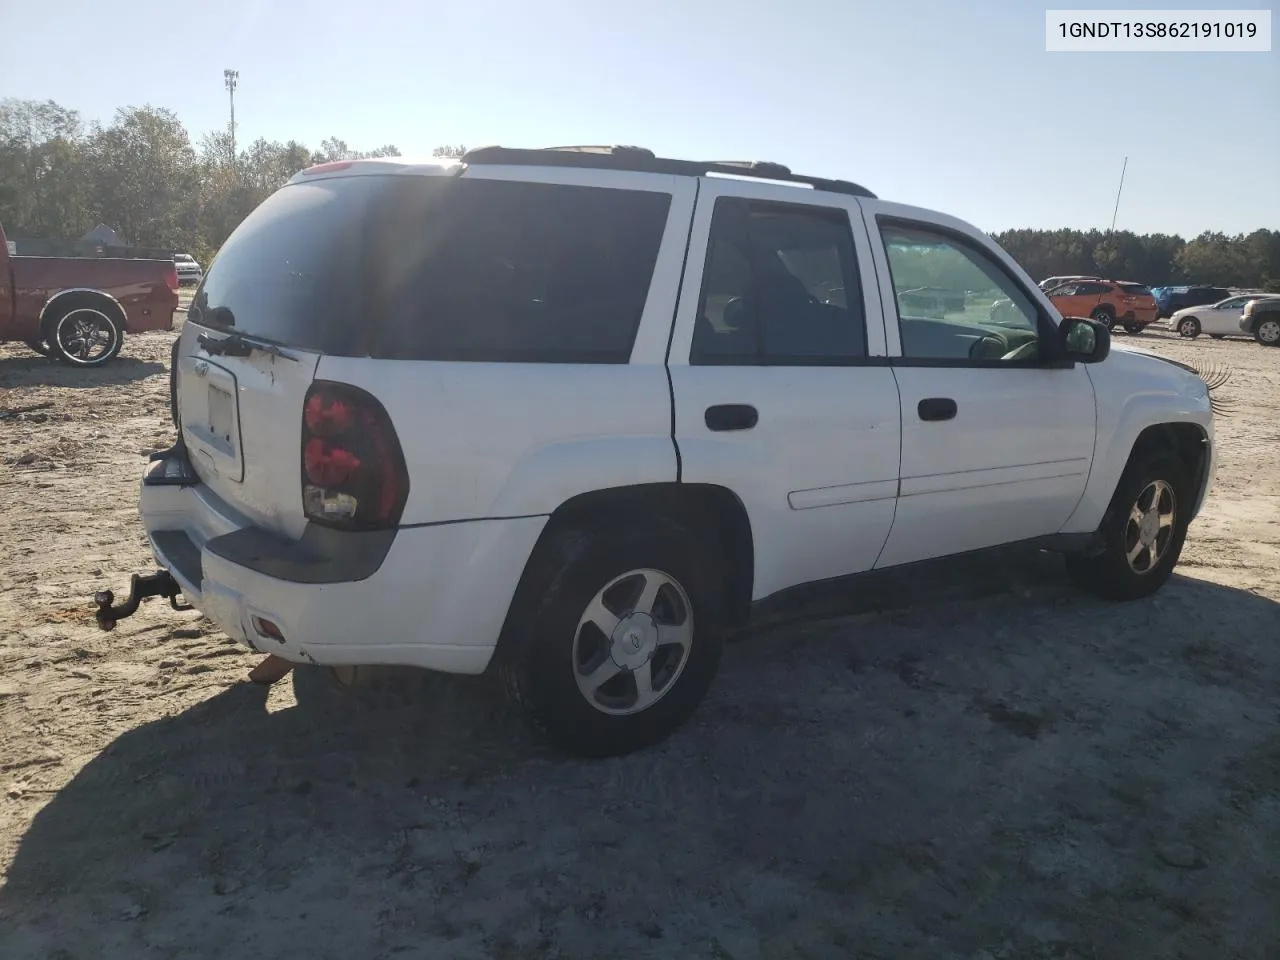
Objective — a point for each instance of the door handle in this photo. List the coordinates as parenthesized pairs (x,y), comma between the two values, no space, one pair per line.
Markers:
(731,416)
(936,408)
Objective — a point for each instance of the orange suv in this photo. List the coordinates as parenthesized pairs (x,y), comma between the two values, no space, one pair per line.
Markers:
(1132,305)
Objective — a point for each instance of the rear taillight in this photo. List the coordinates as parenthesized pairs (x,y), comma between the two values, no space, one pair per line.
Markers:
(353,470)
(171,278)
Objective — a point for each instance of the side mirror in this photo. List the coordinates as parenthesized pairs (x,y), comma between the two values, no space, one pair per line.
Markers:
(1087,341)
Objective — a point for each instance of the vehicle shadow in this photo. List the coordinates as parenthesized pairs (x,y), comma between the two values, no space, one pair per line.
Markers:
(843,783)
(34,370)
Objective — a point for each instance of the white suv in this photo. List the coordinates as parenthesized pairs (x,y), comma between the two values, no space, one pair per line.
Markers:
(572,411)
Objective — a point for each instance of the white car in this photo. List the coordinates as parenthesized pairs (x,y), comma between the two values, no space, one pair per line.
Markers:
(189,271)
(568,414)
(1218,320)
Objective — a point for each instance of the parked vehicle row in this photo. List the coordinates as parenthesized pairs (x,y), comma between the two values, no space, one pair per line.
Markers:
(1226,318)
(78,309)
(656,395)
(1112,303)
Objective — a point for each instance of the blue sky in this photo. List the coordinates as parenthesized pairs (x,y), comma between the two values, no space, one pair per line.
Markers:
(952,104)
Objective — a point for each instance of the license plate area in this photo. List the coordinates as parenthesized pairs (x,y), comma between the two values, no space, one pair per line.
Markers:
(209,404)
(222,417)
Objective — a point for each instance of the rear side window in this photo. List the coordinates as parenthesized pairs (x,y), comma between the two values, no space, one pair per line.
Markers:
(488,270)
(1135,289)
(1092,289)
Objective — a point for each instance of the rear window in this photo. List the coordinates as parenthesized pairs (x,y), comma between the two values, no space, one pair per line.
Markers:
(1136,289)
(435,268)
(291,272)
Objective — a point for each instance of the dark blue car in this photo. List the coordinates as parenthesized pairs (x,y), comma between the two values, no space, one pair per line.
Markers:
(1171,299)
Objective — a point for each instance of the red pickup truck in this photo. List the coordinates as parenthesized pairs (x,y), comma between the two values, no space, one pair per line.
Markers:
(78,309)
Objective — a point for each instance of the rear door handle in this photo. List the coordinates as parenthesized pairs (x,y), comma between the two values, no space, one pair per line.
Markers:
(731,416)
(936,408)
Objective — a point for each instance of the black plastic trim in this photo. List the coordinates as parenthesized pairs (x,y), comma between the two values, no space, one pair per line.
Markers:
(640,160)
(181,551)
(321,555)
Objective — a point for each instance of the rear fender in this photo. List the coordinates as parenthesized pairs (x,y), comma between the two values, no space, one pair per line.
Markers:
(555,473)
(50,308)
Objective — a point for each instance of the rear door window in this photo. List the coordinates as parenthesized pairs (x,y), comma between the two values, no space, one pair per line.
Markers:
(490,270)
(780,287)
(291,272)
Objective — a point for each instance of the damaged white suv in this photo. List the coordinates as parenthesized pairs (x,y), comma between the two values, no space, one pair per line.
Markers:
(573,411)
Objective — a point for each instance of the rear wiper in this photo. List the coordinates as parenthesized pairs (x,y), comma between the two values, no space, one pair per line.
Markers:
(238,345)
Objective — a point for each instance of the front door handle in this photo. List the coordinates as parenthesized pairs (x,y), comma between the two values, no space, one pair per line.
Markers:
(731,416)
(936,408)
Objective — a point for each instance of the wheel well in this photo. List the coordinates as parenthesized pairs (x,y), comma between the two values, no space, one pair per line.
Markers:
(710,514)
(1185,441)
(62,303)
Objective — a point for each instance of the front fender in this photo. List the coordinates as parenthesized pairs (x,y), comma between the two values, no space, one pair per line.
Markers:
(1133,394)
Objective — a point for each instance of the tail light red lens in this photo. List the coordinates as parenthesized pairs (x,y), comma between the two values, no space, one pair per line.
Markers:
(326,416)
(171,278)
(353,469)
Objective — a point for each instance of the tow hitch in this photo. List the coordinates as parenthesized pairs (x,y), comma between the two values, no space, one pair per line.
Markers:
(158,584)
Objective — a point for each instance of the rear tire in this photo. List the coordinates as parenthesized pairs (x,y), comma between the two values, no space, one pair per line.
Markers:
(1138,555)
(1189,327)
(85,335)
(1267,333)
(615,636)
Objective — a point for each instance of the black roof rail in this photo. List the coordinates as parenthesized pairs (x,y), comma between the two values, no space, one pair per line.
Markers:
(642,160)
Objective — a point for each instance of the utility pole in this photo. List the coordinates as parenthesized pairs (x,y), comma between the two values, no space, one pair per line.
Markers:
(1117,209)
(231,80)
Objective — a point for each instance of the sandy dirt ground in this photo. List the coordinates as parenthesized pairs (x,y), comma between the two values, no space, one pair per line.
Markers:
(1001,770)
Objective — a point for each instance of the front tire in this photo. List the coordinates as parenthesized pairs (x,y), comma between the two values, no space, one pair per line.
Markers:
(1268,333)
(615,637)
(1189,327)
(1143,532)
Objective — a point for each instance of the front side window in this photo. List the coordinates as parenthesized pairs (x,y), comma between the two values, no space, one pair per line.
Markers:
(780,287)
(974,311)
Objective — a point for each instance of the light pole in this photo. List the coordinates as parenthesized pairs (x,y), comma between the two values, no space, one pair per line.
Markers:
(231,78)
(1116,211)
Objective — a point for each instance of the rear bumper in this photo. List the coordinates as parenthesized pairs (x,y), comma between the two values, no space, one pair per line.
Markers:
(1141,317)
(437,599)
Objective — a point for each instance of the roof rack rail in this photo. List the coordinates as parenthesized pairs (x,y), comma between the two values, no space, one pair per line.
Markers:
(642,160)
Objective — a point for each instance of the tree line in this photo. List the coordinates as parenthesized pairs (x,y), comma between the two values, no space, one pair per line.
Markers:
(143,176)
